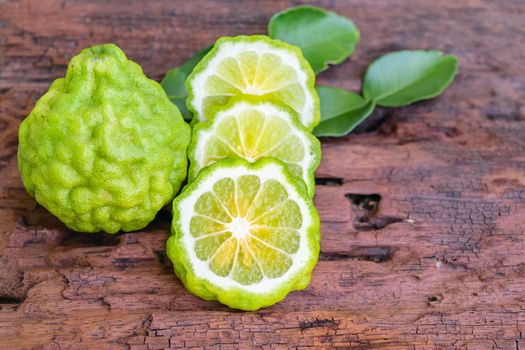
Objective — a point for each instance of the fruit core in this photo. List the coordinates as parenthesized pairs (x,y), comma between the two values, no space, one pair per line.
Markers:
(239,227)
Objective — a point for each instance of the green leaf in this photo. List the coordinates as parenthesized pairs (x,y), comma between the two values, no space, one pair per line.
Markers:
(341,111)
(323,36)
(174,83)
(401,78)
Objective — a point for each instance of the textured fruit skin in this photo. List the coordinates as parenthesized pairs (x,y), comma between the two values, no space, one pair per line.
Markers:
(104,149)
(237,298)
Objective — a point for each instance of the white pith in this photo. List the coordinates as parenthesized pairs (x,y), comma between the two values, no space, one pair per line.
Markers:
(239,227)
(186,211)
(232,50)
(269,111)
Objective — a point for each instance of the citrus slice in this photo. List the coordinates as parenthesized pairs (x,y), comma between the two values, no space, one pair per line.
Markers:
(253,65)
(244,234)
(252,130)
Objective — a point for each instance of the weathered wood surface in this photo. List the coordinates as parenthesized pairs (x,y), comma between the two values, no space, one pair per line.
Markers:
(423,210)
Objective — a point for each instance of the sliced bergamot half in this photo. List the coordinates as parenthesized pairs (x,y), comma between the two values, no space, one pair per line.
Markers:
(253,65)
(253,129)
(244,234)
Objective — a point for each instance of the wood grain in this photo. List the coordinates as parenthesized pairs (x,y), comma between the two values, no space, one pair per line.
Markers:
(423,209)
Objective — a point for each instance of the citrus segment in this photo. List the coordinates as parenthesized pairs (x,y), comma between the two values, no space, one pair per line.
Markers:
(202,225)
(208,203)
(222,262)
(287,215)
(246,188)
(284,238)
(205,247)
(273,262)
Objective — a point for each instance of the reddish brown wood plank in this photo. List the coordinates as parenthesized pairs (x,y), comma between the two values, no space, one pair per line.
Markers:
(423,223)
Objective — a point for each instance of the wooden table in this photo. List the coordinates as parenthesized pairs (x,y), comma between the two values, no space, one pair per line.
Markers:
(423,208)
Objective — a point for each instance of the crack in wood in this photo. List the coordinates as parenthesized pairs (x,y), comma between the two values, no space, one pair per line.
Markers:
(75,239)
(434,300)
(369,203)
(161,256)
(377,254)
(7,299)
(124,263)
(329,181)
(319,323)
(365,208)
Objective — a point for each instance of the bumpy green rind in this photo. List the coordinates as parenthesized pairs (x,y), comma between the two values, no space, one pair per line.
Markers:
(104,149)
(237,298)
(305,66)
(314,150)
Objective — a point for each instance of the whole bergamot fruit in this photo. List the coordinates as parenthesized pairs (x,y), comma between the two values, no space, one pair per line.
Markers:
(104,149)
